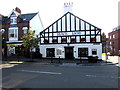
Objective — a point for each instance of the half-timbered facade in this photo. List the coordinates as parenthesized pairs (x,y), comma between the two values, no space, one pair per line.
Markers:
(71,37)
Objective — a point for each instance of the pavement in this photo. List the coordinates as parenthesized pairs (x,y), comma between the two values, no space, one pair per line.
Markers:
(13,61)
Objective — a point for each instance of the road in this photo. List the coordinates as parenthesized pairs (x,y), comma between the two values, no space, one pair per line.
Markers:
(35,75)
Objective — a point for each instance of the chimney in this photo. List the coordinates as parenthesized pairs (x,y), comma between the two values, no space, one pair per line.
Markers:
(18,10)
(68,7)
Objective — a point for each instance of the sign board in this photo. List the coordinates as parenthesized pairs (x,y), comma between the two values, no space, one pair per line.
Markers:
(69,33)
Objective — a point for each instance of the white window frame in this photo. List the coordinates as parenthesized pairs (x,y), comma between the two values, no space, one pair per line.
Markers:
(13,20)
(94,50)
(113,36)
(110,36)
(13,38)
(25,28)
(110,42)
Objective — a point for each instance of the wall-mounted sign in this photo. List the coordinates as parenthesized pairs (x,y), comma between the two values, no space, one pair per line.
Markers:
(70,33)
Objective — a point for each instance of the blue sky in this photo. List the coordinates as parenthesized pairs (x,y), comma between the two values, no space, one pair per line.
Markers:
(101,13)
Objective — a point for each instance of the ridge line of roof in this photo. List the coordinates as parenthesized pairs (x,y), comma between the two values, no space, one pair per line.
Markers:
(73,15)
(29,13)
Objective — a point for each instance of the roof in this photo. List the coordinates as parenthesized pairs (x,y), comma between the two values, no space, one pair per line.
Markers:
(66,21)
(23,18)
(27,17)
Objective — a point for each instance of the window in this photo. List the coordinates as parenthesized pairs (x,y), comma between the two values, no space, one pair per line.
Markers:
(13,20)
(50,52)
(82,52)
(110,43)
(113,36)
(110,37)
(94,51)
(59,51)
(25,30)
(13,33)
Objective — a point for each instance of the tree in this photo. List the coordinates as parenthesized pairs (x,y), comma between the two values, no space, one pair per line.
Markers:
(30,41)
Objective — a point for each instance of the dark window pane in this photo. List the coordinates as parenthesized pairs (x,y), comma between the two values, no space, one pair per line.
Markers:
(94,52)
(82,52)
(50,52)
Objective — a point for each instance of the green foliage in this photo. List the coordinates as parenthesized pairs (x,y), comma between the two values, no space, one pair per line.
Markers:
(11,45)
(29,40)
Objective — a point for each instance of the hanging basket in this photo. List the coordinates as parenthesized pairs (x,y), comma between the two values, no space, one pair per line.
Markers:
(73,40)
(55,41)
(82,39)
(93,39)
(63,40)
(46,41)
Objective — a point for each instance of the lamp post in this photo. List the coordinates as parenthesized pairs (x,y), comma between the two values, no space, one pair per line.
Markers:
(18,52)
(4,42)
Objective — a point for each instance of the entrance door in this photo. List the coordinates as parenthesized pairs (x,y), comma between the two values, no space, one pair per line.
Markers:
(68,52)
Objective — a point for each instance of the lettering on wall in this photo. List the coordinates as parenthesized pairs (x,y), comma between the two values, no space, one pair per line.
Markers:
(70,33)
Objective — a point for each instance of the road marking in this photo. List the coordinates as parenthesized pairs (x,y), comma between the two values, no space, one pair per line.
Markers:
(40,72)
(101,76)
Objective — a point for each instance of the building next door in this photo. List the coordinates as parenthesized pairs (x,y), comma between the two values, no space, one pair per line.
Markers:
(69,53)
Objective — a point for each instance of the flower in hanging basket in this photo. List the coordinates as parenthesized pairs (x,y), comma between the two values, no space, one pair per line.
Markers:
(73,40)
(45,41)
(63,40)
(83,39)
(93,39)
(54,40)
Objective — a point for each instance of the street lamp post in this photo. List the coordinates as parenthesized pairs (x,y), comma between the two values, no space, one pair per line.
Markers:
(18,52)
(5,45)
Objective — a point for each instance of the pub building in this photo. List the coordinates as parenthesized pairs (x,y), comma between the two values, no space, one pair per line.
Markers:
(71,37)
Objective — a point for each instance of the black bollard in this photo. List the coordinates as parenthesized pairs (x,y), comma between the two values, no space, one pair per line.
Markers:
(51,60)
(59,59)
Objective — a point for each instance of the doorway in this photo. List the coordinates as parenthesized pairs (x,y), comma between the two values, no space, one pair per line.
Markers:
(69,53)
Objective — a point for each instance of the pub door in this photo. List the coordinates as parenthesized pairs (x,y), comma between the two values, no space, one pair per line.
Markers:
(69,53)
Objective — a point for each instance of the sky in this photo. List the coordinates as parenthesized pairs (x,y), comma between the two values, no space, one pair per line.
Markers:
(101,13)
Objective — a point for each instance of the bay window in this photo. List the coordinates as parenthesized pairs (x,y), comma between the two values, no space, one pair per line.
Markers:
(13,33)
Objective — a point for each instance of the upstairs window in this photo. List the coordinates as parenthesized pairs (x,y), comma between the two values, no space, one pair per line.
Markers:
(113,36)
(110,37)
(13,20)
(24,30)
(13,33)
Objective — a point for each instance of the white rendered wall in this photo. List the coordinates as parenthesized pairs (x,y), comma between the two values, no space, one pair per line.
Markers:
(76,46)
(36,24)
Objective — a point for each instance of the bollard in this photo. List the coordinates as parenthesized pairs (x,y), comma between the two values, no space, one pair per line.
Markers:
(51,60)
(59,59)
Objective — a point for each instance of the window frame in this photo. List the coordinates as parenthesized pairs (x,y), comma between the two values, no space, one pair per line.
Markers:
(94,50)
(14,32)
(81,49)
(48,52)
